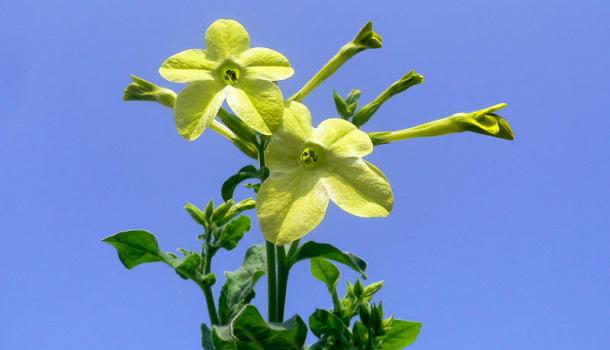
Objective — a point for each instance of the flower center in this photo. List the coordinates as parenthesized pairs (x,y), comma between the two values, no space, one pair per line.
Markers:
(230,75)
(310,157)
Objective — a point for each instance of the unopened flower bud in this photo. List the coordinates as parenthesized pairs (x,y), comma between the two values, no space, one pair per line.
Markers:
(143,90)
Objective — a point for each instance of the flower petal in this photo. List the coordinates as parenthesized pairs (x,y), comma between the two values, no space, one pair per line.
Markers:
(289,140)
(188,66)
(290,205)
(359,188)
(259,103)
(342,138)
(196,106)
(264,63)
(225,38)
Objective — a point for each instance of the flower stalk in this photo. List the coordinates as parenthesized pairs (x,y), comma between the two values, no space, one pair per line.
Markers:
(366,39)
(367,111)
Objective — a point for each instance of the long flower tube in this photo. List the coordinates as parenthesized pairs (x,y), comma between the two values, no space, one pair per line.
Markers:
(483,121)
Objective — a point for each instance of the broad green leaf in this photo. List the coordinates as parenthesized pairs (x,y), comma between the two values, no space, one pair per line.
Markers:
(186,267)
(239,286)
(312,249)
(326,272)
(333,333)
(223,339)
(324,322)
(228,187)
(136,247)
(249,331)
(401,335)
(233,232)
(206,338)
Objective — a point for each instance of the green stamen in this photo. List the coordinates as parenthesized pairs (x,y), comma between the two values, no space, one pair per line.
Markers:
(230,75)
(310,157)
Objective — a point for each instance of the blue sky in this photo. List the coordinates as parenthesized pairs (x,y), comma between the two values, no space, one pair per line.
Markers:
(491,244)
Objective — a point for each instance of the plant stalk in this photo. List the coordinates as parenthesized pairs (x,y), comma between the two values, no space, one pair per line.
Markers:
(282,285)
(272,315)
(205,269)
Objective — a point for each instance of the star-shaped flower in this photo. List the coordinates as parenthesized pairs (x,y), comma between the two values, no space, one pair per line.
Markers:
(308,166)
(228,69)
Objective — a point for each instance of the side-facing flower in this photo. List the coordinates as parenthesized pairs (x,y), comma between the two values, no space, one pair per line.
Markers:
(484,121)
(308,166)
(228,69)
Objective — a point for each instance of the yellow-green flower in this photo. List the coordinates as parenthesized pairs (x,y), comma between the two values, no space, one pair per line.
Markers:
(308,166)
(228,69)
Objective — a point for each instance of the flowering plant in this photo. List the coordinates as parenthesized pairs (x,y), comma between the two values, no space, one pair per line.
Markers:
(300,168)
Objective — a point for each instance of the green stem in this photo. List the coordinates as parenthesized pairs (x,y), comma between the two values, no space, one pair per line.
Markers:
(271,282)
(336,303)
(209,300)
(270,250)
(205,269)
(282,285)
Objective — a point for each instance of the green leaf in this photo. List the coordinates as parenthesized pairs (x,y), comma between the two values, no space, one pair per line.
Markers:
(206,338)
(249,331)
(187,267)
(333,333)
(228,187)
(239,286)
(312,249)
(401,335)
(325,272)
(233,232)
(323,322)
(136,247)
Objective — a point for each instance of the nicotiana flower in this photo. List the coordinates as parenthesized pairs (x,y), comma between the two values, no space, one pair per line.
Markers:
(228,69)
(308,166)
(484,121)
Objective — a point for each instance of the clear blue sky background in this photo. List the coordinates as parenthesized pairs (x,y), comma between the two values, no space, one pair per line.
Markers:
(492,244)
